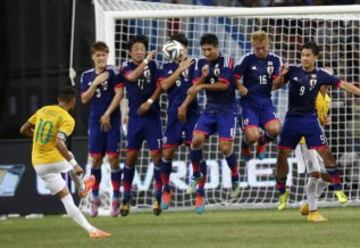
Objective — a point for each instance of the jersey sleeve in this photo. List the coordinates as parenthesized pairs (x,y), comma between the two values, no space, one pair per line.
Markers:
(277,65)
(84,84)
(126,70)
(66,126)
(163,73)
(288,74)
(240,67)
(328,79)
(119,81)
(226,75)
(32,118)
(115,77)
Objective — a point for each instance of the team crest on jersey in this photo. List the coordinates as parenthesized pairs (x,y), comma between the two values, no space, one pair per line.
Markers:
(147,74)
(270,68)
(246,121)
(313,81)
(105,84)
(217,70)
(186,74)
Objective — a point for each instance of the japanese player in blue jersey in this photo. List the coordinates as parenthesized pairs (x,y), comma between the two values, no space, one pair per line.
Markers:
(257,70)
(214,74)
(176,78)
(102,89)
(301,120)
(140,77)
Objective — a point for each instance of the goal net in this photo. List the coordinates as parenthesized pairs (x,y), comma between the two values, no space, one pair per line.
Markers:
(335,29)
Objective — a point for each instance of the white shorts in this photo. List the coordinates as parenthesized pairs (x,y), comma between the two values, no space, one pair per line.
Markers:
(309,159)
(50,174)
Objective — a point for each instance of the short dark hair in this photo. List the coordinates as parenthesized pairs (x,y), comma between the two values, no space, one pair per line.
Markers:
(99,46)
(139,38)
(210,39)
(180,37)
(66,93)
(312,46)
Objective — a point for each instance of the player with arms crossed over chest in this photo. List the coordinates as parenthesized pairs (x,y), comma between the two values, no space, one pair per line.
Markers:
(301,120)
(257,70)
(176,79)
(101,88)
(214,74)
(140,76)
(49,128)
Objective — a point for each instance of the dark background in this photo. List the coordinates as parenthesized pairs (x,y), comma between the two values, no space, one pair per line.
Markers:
(35,44)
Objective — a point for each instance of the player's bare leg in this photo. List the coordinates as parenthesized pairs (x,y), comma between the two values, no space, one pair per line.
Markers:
(75,213)
(156,157)
(166,167)
(96,162)
(129,172)
(272,130)
(115,181)
(282,169)
(251,135)
(332,170)
(226,147)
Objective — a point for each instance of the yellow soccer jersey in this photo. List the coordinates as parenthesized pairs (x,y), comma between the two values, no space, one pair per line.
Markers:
(322,106)
(49,122)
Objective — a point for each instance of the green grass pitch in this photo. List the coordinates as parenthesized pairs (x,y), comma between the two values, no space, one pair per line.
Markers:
(221,228)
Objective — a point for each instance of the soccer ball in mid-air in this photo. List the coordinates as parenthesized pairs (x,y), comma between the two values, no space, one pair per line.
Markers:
(173,50)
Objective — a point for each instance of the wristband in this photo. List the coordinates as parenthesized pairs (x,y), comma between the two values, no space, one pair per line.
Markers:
(73,162)
(146,61)
(150,101)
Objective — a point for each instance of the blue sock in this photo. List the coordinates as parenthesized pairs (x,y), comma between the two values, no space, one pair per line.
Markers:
(195,157)
(232,163)
(335,177)
(265,138)
(200,191)
(158,183)
(165,167)
(115,181)
(129,173)
(97,174)
(281,185)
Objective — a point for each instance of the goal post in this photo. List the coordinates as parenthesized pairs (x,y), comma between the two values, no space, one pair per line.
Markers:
(335,28)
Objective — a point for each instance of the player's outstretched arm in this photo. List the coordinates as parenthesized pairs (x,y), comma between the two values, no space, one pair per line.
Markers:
(218,86)
(138,72)
(89,93)
(27,129)
(146,105)
(170,80)
(348,87)
(115,103)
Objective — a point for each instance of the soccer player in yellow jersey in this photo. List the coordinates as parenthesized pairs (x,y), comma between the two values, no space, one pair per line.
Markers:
(49,127)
